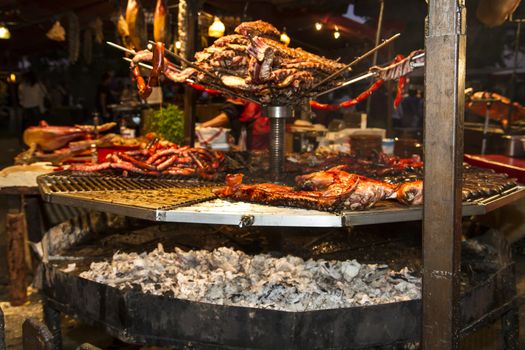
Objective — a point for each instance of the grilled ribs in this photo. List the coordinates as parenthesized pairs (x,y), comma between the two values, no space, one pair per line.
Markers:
(253,63)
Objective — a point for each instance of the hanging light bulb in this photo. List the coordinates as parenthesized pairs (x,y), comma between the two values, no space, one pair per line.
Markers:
(318,26)
(285,39)
(4,32)
(12,78)
(178,45)
(336,32)
(217,28)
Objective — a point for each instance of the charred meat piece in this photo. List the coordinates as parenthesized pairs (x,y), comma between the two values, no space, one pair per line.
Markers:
(367,193)
(331,198)
(258,28)
(254,64)
(410,193)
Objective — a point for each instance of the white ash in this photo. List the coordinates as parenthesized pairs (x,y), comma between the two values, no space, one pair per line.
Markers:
(229,277)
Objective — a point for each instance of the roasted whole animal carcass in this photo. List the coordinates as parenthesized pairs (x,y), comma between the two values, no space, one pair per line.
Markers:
(253,63)
(162,160)
(331,198)
(367,193)
(333,189)
(49,138)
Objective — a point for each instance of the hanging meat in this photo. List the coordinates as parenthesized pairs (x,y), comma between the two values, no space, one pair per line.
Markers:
(57,32)
(182,25)
(160,22)
(497,105)
(254,64)
(123,31)
(136,23)
(493,13)
(97,26)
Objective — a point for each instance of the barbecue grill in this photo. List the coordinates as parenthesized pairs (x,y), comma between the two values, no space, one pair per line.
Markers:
(193,201)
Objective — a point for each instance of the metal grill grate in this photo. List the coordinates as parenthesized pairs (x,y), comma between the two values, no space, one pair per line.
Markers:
(65,181)
(102,191)
(174,200)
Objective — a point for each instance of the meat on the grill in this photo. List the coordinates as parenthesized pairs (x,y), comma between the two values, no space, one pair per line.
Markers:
(410,193)
(253,63)
(332,198)
(367,193)
(258,28)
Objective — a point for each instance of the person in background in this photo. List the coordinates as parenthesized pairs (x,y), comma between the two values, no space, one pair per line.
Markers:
(243,114)
(409,114)
(105,96)
(31,94)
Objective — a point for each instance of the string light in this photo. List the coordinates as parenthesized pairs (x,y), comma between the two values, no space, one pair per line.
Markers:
(178,45)
(318,26)
(4,33)
(217,28)
(285,39)
(336,32)
(12,78)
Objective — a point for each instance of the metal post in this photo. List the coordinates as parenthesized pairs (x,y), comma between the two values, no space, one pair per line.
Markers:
(191,22)
(486,129)
(277,116)
(445,45)
(512,92)
(374,57)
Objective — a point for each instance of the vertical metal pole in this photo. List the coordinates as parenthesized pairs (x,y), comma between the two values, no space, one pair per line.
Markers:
(485,129)
(277,116)
(445,44)
(374,57)
(512,92)
(190,46)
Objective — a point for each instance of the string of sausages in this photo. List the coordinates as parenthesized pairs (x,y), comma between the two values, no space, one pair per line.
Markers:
(400,65)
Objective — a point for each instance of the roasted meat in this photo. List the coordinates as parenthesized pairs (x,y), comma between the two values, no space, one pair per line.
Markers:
(258,28)
(49,138)
(410,193)
(332,198)
(253,63)
(367,193)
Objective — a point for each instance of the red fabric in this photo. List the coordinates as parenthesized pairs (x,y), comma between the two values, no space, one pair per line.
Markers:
(514,167)
(260,125)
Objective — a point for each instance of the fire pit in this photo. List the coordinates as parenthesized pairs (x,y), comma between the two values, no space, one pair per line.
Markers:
(136,315)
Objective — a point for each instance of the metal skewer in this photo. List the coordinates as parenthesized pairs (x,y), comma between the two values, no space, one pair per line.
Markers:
(346,83)
(413,64)
(211,85)
(144,65)
(121,48)
(357,60)
(133,52)
(189,63)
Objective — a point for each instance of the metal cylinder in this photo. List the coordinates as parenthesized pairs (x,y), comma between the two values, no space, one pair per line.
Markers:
(277,116)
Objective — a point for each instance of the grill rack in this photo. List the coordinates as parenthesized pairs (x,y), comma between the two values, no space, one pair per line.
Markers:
(95,191)
(91,192)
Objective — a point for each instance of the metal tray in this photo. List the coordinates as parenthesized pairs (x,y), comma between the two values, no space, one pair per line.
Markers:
(91,193)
